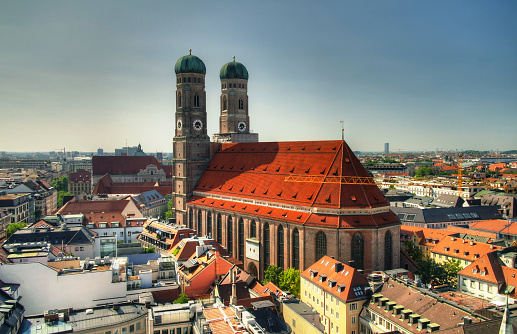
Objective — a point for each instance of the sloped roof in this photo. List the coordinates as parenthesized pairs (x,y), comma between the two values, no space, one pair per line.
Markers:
(495,225)
(258,171)
(342,274)
(105,186)
(81,175)
(487,268)
(94,206)
(122,165)
(463,249)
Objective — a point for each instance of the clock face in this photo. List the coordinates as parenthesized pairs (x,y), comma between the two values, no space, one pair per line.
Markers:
(198,125)
(241,126)
(179,124)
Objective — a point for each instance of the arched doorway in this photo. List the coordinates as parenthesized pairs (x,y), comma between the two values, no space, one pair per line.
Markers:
(252,270)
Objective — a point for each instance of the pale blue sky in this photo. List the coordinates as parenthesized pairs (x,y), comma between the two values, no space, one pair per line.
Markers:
(419,75)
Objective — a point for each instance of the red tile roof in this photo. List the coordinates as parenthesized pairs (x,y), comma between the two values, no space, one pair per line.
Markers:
(94,206)
(105,186)
(80,176)
(463,249)
(495,226)
(345,275)
(258,171)
(125,165)
(487,268)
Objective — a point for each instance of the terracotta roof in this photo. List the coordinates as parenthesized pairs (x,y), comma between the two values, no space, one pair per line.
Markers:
(122,165)
(94,206)
(463,249)
(80,176)
(258,171)
(344,278)
(495,226)
(424,305)
(166,296)
(106,186)
(297,217)
(456,229)
(428,236)
(487,268)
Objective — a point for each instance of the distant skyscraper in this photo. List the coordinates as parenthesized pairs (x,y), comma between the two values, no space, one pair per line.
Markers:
(386,148)
(100,151)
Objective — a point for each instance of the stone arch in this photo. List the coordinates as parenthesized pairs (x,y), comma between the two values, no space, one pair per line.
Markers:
(358,251)
(321,245)
(240,240)
(219,229)
(253,229)
(280,247)
(229,236)
(209,224)
(267,246)
(252,270)
(296,249)
(388,251)
(199,223)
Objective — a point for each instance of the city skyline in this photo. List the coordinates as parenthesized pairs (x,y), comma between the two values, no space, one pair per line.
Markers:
(420,76)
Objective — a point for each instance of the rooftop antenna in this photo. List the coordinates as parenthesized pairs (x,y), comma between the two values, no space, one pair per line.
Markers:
(342,130)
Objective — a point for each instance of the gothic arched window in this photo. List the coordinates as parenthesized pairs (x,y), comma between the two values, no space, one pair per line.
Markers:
(253,229)
(196,100)
(199,223)
(358,251)
(225,103)
(387,251)
(219,228)
(190,219)
(266,246)
(241,240)
(321,245)
(280,247)
(229,236)
(296,249)
(241,104)
(179,99)
(209,224)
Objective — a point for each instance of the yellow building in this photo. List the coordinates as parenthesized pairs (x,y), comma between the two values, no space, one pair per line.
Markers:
(337,292)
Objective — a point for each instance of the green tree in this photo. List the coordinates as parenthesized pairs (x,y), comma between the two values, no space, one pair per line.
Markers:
(182,299)
(290,281)
(60,183)
(60,197)
(424,171)
(13,227)
(413,250)
(168,213)
(452,267)
(150,250)
(272,274)
(431,272)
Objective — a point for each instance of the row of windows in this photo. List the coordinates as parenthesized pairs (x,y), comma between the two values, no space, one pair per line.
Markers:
(223,86)
(124,330)
(179,330)
(196,104)
(225,103)
(194,80)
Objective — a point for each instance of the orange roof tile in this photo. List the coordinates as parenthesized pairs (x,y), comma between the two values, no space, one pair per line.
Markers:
(343,277)
(487,268)
(258,171)
(463,249)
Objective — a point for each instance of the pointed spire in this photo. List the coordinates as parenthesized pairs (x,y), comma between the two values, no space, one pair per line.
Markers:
(506,322)
(233,58)
(190,51)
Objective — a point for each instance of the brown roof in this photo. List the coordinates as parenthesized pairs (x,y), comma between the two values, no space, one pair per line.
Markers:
(259,170)
(85,207)
(487,268)
(80,176)
(124,165)
(166,296)
(445,315)
(107,186)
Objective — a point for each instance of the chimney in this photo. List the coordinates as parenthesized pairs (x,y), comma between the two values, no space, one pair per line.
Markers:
(338,267)
(467,320)
(434,327)
(413,318)
(376,297)
(383,301)
(406,313)
(422,323)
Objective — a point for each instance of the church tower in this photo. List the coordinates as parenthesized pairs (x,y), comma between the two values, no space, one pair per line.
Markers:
(191,144)
(234,121)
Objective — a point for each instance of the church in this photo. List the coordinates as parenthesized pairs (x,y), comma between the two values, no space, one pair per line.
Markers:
(272,203)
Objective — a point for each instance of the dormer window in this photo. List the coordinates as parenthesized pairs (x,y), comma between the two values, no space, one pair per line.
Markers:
(323,278)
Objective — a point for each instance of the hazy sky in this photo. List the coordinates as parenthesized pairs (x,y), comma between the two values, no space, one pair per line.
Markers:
(419,75)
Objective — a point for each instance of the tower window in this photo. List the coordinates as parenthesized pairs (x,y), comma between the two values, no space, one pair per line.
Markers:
(225,102)
(188,79)
(234,85)
(196,100)
(241,104)
(184,80)
(179,99)
(239,85)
